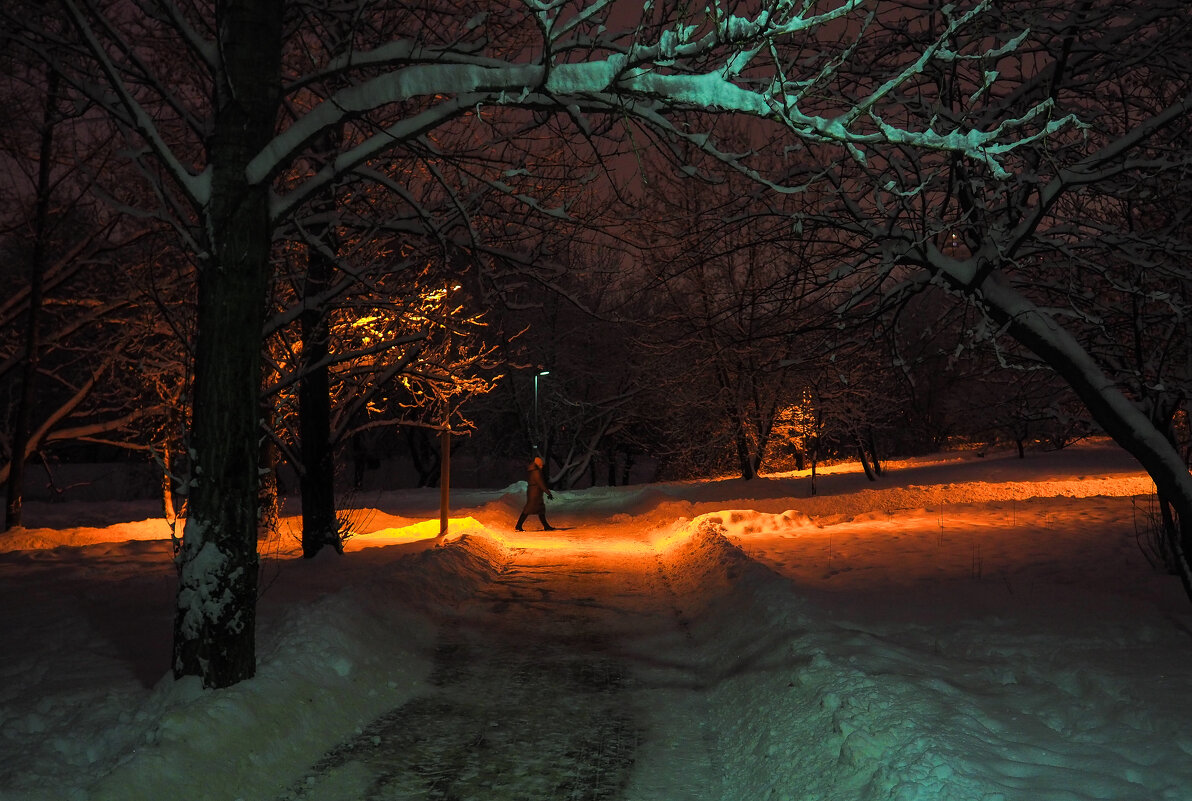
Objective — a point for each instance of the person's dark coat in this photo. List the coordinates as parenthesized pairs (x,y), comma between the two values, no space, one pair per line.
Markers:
(535,489)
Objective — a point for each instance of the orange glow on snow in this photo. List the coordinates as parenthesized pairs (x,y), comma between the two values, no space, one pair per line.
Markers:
(562,541)
(415,532)
(607,542)
(665,542)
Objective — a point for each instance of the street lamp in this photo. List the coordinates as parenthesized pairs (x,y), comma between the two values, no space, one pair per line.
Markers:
(536,428)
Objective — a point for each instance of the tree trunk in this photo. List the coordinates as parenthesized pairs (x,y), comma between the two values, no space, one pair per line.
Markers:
(865,461)
(167,486)
(23,424)
(814,455)
(320,524)
(425,457)
(320,527)
(756,463)
(762,430)
(268,503)
(359,461)
(1113,411)
(1162,416)
(743,458)
(871,444)
(215,619)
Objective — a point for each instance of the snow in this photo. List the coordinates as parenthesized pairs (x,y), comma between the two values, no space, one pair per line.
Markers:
(965,629)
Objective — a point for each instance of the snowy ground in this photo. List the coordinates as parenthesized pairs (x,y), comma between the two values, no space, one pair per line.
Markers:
(966,629)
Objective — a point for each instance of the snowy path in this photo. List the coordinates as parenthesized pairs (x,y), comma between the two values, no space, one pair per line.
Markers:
(544,686)
(971,629)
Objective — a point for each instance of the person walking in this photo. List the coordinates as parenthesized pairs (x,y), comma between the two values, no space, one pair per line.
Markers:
(535,489)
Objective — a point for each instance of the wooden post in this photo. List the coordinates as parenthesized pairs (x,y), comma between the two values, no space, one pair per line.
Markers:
(444,478)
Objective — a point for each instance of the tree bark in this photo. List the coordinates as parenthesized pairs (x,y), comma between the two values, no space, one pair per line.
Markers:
(215,619)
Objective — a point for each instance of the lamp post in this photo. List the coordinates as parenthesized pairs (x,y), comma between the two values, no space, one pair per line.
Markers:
(537,430)
(444,476)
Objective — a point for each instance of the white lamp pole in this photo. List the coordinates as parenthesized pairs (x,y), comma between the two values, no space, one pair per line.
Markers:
(444,477)
(537,430)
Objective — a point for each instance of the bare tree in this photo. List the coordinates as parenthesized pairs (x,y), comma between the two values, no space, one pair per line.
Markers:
(73,315)
(1072,256)
(216,137)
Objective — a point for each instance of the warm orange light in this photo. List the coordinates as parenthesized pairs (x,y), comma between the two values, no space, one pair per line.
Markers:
(606,541)
(672,539)
(588,541)
(415,532)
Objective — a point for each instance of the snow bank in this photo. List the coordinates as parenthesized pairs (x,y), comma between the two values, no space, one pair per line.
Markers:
(814,709)
(964,630)
(327,665)
(32,539)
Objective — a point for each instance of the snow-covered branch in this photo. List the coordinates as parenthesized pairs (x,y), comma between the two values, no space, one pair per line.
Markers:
(645,78)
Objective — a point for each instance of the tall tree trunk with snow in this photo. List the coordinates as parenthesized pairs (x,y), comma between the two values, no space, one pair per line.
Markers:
(23,424)
(214,625)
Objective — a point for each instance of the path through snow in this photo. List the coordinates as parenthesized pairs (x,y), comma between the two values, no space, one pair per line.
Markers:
(966,629)
(544,685)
